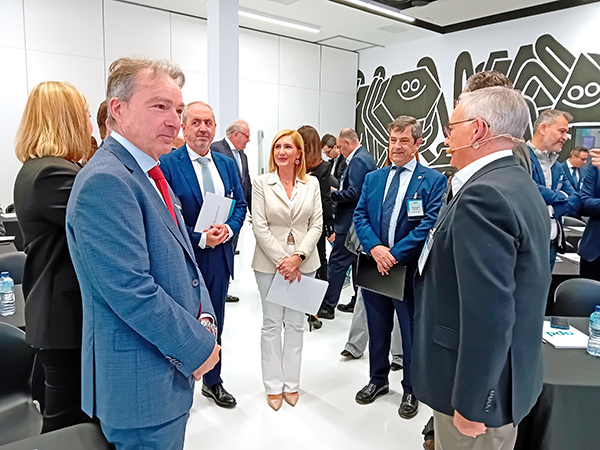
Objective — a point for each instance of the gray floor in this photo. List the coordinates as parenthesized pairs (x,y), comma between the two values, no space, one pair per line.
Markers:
(326,416)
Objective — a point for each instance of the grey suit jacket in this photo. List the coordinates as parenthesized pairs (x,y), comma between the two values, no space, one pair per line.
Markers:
(481,299)
(142,293)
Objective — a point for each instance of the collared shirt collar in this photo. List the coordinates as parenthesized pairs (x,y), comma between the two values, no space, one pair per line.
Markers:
(231,146)
(194,156)
(571,166)
(463,175)
(144,160)
(351,155)
(410,166)
(547,157)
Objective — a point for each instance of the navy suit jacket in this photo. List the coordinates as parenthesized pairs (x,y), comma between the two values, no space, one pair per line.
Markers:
(180,174)
(346,198)
(223,148)
(427,184)
(576,186)
(142,293)
(589,247)
(563,205)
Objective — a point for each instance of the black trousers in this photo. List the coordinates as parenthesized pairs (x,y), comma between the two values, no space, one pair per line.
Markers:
(62,372)
(590,269)
(340,259)
(321,244)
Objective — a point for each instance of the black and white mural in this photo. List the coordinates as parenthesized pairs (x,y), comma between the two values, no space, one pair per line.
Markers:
(547,73)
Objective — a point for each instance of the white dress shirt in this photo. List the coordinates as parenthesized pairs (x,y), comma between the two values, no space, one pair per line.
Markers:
(464,174)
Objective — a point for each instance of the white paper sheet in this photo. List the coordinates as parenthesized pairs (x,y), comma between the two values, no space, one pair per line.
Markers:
(571,338)
(216,209)
(304,296)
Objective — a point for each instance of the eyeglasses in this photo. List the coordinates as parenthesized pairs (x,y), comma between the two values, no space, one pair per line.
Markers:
(447,130)
(247,136)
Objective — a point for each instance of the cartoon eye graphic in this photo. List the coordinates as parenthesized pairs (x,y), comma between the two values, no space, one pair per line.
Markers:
(578,92)
(411,86)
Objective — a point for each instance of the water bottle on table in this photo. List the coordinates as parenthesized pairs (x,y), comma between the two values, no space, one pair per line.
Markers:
(7,295)
(593,347)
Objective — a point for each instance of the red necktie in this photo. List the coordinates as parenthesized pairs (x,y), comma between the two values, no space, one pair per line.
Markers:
(163,187)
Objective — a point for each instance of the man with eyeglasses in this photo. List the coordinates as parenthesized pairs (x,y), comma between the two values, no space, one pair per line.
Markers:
(193,171)
(550,132)
(574,167)
(482,282)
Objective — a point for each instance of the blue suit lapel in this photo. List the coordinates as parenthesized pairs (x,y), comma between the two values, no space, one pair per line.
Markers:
(157,202)
(415,181)
(190,174)
(379,183)
(536,169)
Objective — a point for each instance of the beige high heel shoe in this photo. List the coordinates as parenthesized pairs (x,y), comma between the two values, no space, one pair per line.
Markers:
(274,401)
(291,398)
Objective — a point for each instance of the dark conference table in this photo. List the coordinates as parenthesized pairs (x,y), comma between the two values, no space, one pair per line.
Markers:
(567,413)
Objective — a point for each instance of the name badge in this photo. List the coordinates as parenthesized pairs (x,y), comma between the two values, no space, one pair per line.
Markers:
(425,252)
(414,208)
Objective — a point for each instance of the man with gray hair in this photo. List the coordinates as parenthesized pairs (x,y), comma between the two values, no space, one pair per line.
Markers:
(148,322)
(550,132)
(482,282)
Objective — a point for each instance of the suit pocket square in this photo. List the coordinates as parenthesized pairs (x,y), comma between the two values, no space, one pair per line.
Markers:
(446,337)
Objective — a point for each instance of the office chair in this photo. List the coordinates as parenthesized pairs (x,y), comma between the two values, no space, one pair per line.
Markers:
(576,297)
(572,222)
(19,418)
(14,263)
(85,436)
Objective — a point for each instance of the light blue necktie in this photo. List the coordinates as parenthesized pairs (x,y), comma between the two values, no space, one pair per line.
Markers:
(388,206)
(238,159)
(207,180)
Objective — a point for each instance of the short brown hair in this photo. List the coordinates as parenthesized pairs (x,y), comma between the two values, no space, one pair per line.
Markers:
(54,123)
(123,72)
(101,117)
(549,116)
(312,148)
(487,78)
(328,140)
(299,143)
(577,150)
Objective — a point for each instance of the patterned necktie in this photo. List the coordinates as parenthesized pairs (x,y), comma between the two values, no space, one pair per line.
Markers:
(388,206)
(163,187)
(207,179)
(576,175)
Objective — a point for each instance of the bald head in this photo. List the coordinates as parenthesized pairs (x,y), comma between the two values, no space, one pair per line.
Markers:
(347,141)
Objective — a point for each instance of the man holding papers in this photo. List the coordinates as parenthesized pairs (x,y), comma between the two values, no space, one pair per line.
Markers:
(196,175)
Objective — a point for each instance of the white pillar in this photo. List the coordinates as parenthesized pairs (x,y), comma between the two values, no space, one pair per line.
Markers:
(223,62)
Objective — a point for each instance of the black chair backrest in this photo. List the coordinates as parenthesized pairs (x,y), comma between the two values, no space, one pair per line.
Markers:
(85,436)
(14,263)
(576,297)
(16,362)
(572,222)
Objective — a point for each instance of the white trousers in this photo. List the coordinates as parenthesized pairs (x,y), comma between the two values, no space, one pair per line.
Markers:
(280,360)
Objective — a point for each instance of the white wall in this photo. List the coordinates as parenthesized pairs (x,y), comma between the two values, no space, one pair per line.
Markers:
(576,29)
(284,83)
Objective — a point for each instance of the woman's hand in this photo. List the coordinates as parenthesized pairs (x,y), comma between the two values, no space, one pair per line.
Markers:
(288,267)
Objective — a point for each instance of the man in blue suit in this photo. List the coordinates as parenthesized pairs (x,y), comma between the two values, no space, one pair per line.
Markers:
(192,171)
(550,132)
(359,163)
(574,167)
(398,206)
(148,328)
(589,246)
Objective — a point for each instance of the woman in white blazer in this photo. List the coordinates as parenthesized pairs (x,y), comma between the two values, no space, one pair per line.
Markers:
(287,223)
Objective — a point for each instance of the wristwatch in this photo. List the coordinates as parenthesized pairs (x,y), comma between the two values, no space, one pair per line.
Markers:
(301,256)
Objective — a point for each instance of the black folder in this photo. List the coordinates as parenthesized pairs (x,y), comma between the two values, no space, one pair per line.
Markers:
(368,277)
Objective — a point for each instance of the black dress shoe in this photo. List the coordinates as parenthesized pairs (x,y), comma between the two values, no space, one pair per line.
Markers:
(347,308)
(346,354)
(395,367)
(409,406)
(328,314)
(218,393)
(232,299)
(370,393)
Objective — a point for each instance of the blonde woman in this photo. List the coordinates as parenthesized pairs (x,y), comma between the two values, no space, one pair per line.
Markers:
(287,222)
(53,137)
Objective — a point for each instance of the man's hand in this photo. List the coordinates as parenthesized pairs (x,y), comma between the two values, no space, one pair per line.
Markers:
(288,267)
(595,154)
(216,235)
(384,259)
(468,428)
(211,362)
(333,189)
(331,238)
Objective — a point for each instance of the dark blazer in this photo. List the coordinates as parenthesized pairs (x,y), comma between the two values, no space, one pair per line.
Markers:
(322,173)
(340,166)
(563,205)
(179,173)
(142,294)
(53,311)
(223,148)
(569,175)
(481,299)
(589,246)
(346,198)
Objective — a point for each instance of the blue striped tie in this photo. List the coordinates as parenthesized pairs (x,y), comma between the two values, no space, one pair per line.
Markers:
(388,206)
